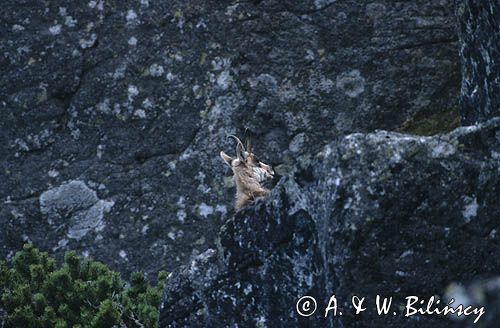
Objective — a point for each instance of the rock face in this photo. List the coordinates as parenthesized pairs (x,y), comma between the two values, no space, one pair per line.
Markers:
(379,214)
(112,113)
(249,281)
(479,51)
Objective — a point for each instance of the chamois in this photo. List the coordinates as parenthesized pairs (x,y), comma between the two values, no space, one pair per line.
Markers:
(248,173)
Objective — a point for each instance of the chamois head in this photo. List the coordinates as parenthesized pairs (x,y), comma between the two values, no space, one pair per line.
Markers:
(249,173)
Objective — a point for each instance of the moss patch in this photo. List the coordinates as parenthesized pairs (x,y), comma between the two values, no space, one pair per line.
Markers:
(433,124)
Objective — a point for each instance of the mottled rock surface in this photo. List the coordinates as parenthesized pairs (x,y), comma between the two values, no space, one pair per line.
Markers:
(266,254)
(379,213)
(479,51)
(130,102)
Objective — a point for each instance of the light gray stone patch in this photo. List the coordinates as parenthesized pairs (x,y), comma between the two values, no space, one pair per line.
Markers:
(351,83)
(470,208)
(55,30)
(75,206)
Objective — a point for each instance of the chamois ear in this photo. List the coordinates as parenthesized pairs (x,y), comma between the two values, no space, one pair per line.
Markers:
(226,158)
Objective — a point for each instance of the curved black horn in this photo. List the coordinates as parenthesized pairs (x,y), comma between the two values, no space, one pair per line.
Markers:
(249,145)
(240,149)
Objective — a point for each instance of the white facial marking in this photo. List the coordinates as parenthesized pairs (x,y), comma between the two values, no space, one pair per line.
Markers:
(260,174)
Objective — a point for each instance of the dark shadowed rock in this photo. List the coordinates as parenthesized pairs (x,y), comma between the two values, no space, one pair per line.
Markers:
(266,254)
(129,103)
(384,214)
(479,51)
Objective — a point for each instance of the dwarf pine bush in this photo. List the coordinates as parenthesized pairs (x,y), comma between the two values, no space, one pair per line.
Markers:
(35,293)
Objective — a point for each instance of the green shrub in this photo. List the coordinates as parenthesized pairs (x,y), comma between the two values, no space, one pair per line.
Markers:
(35,293)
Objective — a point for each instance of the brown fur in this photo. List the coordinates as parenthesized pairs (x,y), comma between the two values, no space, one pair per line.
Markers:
(249,174)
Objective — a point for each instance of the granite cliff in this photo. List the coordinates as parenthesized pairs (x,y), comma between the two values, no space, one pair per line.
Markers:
(113,114)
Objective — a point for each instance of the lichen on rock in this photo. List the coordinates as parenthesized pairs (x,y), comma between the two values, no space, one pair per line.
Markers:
(74,205)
